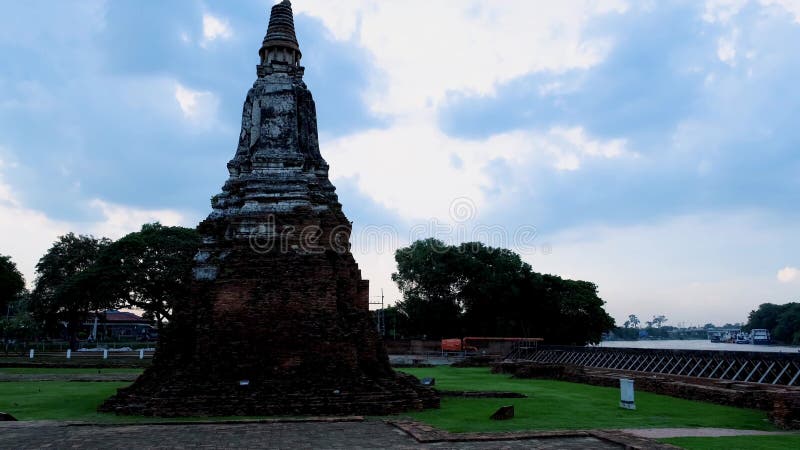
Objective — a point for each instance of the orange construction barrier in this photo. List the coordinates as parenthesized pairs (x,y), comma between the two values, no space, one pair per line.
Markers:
(451,345)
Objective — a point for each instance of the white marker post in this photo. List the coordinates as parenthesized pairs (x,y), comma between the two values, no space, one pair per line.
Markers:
(105,353)
(626,394)
(141,353)
(69,353)
(31,354)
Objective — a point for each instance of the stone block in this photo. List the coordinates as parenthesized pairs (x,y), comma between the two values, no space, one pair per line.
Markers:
(503,413)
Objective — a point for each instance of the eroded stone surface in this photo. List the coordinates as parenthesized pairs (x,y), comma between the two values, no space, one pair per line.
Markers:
(278,322)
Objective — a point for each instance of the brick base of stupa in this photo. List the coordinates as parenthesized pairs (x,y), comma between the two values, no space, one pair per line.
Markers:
(280,333)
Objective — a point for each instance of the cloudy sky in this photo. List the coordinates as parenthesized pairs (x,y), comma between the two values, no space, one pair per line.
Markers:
(652,147)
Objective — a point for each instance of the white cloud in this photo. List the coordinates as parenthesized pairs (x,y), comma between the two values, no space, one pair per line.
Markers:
(119,220)
(215,28)
(722,10)
(791,6)
(726,49)
(464,46)
(571,145)
(26,234)
(421,181)
(788,274)
(197,106)
(5,190)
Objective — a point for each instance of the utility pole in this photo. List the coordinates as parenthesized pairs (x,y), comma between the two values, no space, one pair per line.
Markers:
(382,324)
(6,327)
(379,322)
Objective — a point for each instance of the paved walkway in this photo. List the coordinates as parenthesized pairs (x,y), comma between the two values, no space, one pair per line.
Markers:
(297,435)
(661,433)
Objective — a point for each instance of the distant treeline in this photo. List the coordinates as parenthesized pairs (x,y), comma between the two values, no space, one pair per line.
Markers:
(665,332)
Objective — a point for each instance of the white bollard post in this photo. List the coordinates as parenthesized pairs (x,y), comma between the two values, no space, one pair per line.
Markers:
(105,353)
(141,353)
(69,353)
(31,354)
(626,394)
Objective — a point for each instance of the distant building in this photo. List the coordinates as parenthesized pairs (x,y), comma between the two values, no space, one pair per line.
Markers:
(119,326)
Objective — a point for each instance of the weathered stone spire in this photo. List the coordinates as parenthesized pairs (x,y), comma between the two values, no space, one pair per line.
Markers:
(280,43)
(278,319)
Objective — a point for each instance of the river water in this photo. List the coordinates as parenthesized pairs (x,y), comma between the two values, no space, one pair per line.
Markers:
(699,345)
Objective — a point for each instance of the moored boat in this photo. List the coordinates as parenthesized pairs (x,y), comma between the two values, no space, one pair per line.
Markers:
(760,336)
(742,338)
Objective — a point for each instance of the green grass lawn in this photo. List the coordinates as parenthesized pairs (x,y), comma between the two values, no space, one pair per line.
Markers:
(66,400)
(57,400)
(560,405)
(737,442)
(551,404)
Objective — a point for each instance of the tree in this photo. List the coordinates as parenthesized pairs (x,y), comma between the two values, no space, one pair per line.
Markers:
(633,320)
(782,321)
(428,276)
(658,321)
(148,269)
(66,288)
(18,323)
(577,312)
(472,289)
(12,284)
(766,316)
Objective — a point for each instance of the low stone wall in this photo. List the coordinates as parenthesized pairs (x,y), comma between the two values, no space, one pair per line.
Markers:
(480,394)
(412,346)
(477,361)
(781,402)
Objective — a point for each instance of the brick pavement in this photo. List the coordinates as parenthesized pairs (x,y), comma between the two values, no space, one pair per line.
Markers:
(295,435)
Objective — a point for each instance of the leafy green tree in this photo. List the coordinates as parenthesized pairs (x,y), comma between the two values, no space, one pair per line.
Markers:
(633,321)
(429,277)
(477,290)
(18,323)
(766,316)
(495,283)
(12,284)
(66,289)
(581,316)
(148,269)
(782,321)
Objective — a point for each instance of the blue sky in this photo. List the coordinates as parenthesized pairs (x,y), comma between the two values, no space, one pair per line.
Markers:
(652,146)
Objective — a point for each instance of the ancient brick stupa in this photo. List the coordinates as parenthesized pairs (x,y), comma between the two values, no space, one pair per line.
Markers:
(278,322)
